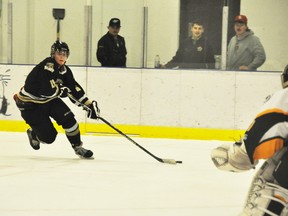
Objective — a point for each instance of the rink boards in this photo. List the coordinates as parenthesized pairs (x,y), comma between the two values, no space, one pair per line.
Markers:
(186,104)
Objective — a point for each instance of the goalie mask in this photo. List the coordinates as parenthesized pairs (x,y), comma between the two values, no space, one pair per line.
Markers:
(284,77)
(61,47)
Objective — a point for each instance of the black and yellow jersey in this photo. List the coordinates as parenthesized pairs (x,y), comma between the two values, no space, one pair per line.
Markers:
(43,83)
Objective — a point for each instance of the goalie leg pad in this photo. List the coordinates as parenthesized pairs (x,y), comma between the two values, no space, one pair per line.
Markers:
(232,158)
(266,196)
(281,171)
(266,199)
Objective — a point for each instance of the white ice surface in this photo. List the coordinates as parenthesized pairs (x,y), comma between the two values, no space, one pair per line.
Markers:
(122,180)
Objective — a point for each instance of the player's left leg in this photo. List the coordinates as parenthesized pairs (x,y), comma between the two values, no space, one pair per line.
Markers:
(64,116)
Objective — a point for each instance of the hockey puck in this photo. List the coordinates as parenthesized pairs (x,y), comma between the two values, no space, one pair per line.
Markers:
(179,162)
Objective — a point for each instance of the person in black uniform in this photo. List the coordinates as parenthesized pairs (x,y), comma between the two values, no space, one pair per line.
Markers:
(40,98)
(111,49)
(194,52)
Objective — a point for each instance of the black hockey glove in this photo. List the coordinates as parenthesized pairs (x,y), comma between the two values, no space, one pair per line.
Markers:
(94,111)
(64,91)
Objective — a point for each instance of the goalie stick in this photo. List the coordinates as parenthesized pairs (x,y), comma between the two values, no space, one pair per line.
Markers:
(85,107)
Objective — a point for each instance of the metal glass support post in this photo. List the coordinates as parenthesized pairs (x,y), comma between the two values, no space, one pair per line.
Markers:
(10,34)
(145,34)
(1,33)
(224,37)
(88,34)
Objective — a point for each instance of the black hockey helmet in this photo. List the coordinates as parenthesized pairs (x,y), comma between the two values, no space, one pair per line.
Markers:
(59,46)
(284,77)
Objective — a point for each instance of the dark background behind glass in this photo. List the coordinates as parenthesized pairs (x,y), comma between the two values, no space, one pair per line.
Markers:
(210,13)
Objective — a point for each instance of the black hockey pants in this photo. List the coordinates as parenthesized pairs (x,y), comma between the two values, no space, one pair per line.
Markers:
(39,120)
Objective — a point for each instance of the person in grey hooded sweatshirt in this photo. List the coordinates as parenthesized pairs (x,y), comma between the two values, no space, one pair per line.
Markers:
(245,51)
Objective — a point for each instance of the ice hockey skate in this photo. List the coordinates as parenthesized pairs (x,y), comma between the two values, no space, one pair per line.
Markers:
(82,152)
(34,141)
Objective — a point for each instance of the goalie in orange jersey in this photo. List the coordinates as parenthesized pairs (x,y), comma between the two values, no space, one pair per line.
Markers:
(264,139)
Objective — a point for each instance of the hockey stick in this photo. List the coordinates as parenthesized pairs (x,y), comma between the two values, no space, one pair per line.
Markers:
(168,161)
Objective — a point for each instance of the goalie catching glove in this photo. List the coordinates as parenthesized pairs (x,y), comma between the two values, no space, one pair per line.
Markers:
(93,112)
(232,158)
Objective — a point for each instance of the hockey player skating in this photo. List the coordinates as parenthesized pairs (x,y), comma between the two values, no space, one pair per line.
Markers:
(40,98)
(264,139)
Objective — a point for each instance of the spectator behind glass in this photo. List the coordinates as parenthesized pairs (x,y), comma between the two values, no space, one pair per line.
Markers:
(245,51)
(111,49)
(194,52)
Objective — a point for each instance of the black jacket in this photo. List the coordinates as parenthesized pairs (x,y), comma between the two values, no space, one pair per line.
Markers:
(109,54)
(193,54)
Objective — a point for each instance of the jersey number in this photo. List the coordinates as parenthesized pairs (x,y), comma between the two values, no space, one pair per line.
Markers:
(53,84)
